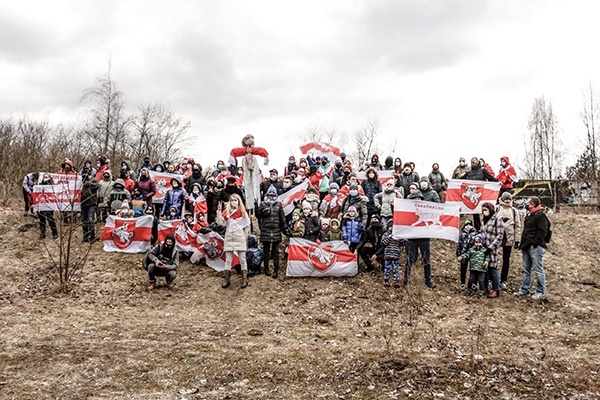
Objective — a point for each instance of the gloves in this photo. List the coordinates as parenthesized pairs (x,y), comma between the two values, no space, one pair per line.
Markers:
(517,245)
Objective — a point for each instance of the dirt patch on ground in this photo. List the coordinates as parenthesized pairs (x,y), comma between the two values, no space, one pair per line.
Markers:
(295,338)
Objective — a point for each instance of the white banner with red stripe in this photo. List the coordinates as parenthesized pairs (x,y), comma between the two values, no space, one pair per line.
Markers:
(307,258)
(321,149)
(162,182)
(414,219)
(185,238)
(61,178)
(470,195)
(58,197)
(210,248)
(295,194)
(383,176)
(127,235)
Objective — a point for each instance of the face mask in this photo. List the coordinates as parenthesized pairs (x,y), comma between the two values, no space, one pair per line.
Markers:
(474,165)
(397,164)
(462,163)
(333,191)
(196,191)
(285,185)
(272,199)
(106,177)
(303,165)
(423,185)
(435,169)
(486,213)
(273,177)
(233,203)
(371,176)
(526,206)
(353,192)
(306,212)
(169,245)
(406,172)
(296,217)
(346,173)
(376,224)
(175,185)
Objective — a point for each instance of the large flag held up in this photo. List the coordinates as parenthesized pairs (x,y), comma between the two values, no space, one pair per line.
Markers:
(307,258)
(287,199)
(162,182)
(383,176)
(127,235)
(63,197)
(470,195)
(415,219)
(322,149)
(185,238)
(210,247)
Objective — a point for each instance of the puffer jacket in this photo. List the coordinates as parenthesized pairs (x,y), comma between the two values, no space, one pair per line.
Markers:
(404,181)
(351,230)
(384,201)
(371,187)
(271,222)
(430,195)
(477,258)
(479,174)
(147,189)
(437,180)
(535,227)
(311,228)
(175,197)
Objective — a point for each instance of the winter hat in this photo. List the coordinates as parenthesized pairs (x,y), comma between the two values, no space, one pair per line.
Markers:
(272,189)
(352,208)
(354,186)
(312,189)
(506,196)
(306,205)
(348,167)
(424,179)
(414,186)
(334,221)
(416,194)
(478,238)
(468,222)
(172,209)
(120,182)
(407,165)
(376,217)
(334,185)
(391,181)
(125,204)
(325,221)
(296,211)
(252,241)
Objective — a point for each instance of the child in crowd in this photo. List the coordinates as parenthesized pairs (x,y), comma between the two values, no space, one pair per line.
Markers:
(125,211)
(201,225)
(311,222)
(478,258)
(173,214)
(324,233)
(138,203)
(391,254)
(296,224)
(465,242)
(188,218)
(351,228)
(254,256)
(335,233)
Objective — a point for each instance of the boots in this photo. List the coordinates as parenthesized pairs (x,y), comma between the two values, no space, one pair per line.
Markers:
(244,278)
(227,280)
(267,273)
(275,272)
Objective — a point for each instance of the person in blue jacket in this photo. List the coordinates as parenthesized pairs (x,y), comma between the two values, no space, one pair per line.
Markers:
(175,197)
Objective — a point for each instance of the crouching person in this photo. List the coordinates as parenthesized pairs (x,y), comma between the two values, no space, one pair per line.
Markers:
(162,260)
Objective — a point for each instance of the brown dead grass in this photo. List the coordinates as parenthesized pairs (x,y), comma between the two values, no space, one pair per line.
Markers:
(295,338)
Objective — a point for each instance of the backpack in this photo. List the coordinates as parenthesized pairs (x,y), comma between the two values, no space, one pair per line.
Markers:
(549,231)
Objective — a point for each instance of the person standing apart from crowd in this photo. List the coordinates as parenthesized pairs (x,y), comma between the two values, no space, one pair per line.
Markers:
(533,247)
(237,224)
(162,260)
(271,221)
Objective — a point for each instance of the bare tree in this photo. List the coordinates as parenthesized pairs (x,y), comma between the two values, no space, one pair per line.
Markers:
(590,115)
(544,150)
(365,142)
(108,120)
(315,132)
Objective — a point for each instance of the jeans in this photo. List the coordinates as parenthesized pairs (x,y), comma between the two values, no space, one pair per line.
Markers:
(414,245)
(154,271)
(479,277)
(492,273)
(534,258)
(393,266)
(88,213)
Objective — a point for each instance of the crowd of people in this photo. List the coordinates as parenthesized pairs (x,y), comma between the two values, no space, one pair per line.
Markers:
(337,206)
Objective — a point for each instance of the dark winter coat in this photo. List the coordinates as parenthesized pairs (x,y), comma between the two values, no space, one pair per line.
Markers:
(175,198)
(535,228)
(147,188)
(430,195)
(195,177)
(479,174)
(154,255)
(437,180)
(361,207)
(311,228)
(393,247)
(371,188)
(271,221)
(466,239)
(372,235)
(404,181)
(89,193)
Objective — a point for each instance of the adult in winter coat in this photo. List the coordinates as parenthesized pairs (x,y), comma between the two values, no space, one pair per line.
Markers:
(533,246)
(461,171)
(375,163)
(384,201)
(312,198)
(371,186)
(47,216)
(388,165)
(506,176)
(512,233)
(105,187)
(101,168)
(230,188)
(272,180)
(493,232)
(174,198)
(117,195)
(237,224)
(271,221)
(29,181)
(213,194)
(162,260)
(146,186)
(196,176)
(407,177)
(146,164)
(89,204)
(371,237)
(437,181)
(127,166)
(427,191)
(354,199)
(196,201)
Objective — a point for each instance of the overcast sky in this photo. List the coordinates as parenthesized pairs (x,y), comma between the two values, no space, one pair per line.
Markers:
(444,78)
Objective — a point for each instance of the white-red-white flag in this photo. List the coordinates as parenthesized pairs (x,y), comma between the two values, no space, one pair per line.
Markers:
(58,197)
(185,238)
(61,178)
(127,235)
(210,247)
(415,219)
(383,176)
(321,149)
(307,258)
(295,194)
(162,182)
(470,195)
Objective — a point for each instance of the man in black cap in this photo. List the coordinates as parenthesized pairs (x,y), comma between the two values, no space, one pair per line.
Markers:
(273,179)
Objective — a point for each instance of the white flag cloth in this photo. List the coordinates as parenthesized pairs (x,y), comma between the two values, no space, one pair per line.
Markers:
(127,235)
(295,194)
(470,195)
(383,176)
(58,197)
(185,238)
(322,149)
(162,182)
(307,258)
(210,247)
(414,219)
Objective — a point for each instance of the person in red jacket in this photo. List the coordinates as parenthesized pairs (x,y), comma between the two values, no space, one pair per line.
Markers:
(507,176)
